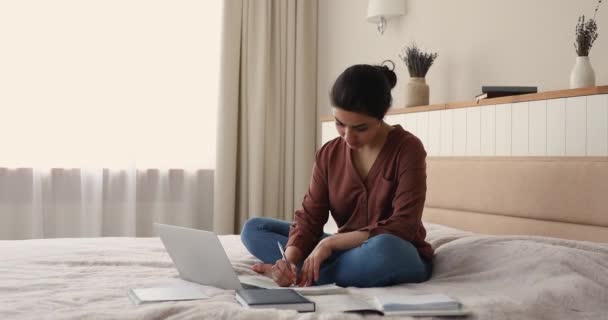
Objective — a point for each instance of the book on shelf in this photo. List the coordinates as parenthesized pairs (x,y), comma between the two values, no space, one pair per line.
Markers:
(275,299)
(395,304)
(488,92)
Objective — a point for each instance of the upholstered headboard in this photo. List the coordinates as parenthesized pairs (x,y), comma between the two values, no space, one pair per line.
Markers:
(565,197)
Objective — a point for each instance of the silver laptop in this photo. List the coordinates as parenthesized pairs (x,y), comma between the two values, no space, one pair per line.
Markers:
(199,256)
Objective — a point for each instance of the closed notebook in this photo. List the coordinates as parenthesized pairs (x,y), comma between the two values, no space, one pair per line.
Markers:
(160,294)
(489,92)
(274,298)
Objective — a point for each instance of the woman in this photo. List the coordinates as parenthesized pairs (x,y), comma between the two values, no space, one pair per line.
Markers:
(373,180)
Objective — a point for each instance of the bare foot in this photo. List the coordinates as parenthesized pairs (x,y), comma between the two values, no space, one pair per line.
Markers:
(263,268)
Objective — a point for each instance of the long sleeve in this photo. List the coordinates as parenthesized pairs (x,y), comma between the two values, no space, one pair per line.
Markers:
(307,227)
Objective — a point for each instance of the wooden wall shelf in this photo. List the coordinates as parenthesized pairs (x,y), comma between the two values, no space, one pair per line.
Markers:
(502,100)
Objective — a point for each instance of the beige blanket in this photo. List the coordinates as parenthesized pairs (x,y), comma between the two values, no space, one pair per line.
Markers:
(497,277)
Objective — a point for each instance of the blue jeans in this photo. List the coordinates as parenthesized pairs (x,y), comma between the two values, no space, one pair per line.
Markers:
(380,261)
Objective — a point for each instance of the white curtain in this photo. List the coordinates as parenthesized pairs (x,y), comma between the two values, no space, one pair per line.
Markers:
(267,114)
(57,203)
(107,84)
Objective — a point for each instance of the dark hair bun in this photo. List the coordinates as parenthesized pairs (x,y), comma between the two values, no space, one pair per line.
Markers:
(388,72)
(390,75)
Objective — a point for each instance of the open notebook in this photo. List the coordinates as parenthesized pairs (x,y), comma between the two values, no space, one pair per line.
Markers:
(403,305)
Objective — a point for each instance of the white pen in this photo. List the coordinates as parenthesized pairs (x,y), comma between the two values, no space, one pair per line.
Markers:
(284,258)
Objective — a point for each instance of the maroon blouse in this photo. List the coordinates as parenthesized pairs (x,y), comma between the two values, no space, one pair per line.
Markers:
(390,200)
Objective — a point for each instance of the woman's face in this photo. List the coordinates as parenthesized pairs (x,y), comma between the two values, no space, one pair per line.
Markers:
(356,129)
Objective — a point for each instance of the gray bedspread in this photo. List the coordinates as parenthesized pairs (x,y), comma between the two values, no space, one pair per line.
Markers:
(498,277)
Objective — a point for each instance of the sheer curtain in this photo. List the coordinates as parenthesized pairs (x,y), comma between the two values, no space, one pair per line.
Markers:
(107,116)
(52,203)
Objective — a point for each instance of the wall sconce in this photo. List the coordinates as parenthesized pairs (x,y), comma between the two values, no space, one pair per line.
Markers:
(379,11)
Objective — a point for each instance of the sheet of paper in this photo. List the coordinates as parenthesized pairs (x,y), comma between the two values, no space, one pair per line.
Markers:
(258,281)
(265,282)
(340,303)
(423,299)
(320,290)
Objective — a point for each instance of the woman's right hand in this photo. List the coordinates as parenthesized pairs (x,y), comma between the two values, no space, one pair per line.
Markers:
(284,274)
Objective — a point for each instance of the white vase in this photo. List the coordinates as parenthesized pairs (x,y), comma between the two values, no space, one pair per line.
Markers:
(582,74)
(417,93)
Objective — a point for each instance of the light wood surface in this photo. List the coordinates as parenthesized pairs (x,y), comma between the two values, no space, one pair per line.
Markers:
(502,100)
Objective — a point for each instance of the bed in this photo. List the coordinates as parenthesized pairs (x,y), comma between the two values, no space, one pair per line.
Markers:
(534,246)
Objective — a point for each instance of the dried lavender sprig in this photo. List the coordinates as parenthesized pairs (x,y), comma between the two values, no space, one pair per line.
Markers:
(418,63)
(586,33)
(597,7)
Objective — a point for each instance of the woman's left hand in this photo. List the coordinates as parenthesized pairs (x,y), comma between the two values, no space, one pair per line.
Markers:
(312,264)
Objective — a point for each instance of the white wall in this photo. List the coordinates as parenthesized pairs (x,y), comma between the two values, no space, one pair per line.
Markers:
(480,42)
(112,83)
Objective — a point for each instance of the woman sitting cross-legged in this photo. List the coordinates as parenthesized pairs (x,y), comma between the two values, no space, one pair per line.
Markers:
(373,181)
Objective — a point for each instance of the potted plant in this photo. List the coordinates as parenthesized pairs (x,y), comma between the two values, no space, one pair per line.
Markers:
(582,74)
(418,64)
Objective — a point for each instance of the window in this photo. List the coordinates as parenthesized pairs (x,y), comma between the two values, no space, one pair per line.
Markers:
(109,83)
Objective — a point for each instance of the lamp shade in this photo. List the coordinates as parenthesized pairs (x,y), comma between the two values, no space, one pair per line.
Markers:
(376,9)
